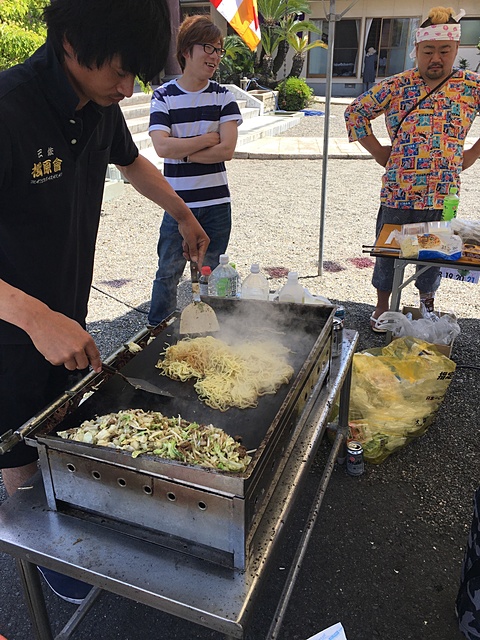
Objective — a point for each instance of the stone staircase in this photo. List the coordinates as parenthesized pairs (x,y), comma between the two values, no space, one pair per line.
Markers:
(256,124)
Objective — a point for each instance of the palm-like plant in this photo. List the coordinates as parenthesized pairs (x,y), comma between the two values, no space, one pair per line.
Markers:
(238,60)
(273,14)
(271,38)
(300,44)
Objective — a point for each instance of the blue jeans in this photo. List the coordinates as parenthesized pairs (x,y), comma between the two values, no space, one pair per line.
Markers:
(382,279)
(216,220)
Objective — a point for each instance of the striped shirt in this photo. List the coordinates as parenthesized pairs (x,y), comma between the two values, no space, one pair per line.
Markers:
(427,151)
(184,114)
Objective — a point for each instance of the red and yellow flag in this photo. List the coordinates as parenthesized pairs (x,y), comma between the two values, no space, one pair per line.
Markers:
(242,15)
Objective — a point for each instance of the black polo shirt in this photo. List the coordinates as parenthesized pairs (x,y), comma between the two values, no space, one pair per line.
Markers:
(53,162)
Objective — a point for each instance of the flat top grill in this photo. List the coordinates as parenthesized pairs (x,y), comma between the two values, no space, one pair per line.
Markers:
(215,514)
(207,594)
(297,327)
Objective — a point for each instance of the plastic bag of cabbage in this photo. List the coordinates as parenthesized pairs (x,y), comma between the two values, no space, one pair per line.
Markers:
(396,392)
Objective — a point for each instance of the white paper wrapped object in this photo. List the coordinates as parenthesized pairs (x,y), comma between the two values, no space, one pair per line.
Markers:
(335,632)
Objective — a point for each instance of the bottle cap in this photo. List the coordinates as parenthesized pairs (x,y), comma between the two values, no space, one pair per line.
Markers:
(292,275)
(223,258)
(453,189)
(255,268)
(340,312)
(206,271)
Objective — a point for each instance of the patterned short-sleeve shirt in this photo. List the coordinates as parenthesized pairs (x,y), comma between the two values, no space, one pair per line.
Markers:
(427,151)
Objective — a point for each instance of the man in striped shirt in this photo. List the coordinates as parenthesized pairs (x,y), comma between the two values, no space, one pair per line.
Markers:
(193,126)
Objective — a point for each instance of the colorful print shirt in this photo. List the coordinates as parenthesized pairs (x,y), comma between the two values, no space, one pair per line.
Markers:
(427,153)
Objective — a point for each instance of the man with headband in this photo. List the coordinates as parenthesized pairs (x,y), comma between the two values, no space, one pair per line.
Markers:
(428,112)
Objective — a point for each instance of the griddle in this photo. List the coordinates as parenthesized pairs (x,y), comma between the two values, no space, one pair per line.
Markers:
(213,514)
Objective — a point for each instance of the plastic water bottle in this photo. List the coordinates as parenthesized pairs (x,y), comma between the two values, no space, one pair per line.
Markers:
(255,286)
(292,291)
(203,280)
(223,281)
(450,204)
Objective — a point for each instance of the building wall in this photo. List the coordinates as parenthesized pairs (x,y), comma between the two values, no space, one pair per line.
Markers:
(363,13)
(364,10)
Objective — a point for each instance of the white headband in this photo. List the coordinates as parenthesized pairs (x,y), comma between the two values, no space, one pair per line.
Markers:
(450,32)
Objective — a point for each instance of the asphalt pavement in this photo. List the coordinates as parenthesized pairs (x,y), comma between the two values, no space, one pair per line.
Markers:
(385,554)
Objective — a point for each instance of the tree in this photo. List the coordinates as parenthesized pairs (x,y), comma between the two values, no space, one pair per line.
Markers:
(22,30)
(280,26)
(295,9)
(271,38)
(300,44)
(238,60)
(272,27)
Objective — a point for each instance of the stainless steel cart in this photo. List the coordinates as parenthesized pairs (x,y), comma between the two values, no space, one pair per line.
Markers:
(204,592)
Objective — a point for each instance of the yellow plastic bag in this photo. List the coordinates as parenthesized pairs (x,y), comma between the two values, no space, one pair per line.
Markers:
(396,391)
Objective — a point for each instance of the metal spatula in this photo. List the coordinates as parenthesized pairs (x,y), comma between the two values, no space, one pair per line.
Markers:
(198,316)
(138,383)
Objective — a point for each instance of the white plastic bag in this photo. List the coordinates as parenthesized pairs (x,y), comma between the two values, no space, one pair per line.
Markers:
(432,328)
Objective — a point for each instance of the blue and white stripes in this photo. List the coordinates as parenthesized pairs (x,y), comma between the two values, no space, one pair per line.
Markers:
(184,114)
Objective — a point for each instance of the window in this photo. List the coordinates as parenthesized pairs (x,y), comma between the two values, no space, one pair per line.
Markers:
(393,38)
(345,55)
(470,32)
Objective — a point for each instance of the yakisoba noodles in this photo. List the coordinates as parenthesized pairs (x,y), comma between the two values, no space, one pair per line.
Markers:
(228,376)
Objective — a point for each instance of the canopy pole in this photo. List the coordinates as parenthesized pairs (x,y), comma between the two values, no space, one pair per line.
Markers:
(332,18)
(328,95)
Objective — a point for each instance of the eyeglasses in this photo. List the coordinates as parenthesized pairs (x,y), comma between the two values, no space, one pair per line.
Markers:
(209,48)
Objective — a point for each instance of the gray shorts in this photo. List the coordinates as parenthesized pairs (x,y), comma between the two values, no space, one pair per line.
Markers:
(382,278)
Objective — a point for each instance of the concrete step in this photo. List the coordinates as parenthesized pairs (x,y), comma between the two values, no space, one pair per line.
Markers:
(137,125)
(136,110)
(249,112)
(151,154)
(138,115)
(136,98)
(142,139)
(265,126)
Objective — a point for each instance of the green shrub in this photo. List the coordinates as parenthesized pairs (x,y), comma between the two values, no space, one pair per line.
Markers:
(293,94)
(21,30)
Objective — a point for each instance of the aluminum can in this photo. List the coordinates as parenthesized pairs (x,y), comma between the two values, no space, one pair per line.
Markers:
(355,462)
(337,337)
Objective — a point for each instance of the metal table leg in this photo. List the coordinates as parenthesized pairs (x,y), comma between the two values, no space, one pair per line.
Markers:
(34,599)
(314,510)
(79,614)
(397,286)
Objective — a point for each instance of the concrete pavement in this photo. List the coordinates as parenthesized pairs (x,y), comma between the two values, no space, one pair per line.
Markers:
(285,148)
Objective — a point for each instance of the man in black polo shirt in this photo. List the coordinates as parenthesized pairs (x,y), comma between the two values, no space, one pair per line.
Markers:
(60,125)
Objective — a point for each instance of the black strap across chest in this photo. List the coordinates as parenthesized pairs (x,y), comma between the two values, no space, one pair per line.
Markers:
(417,105)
